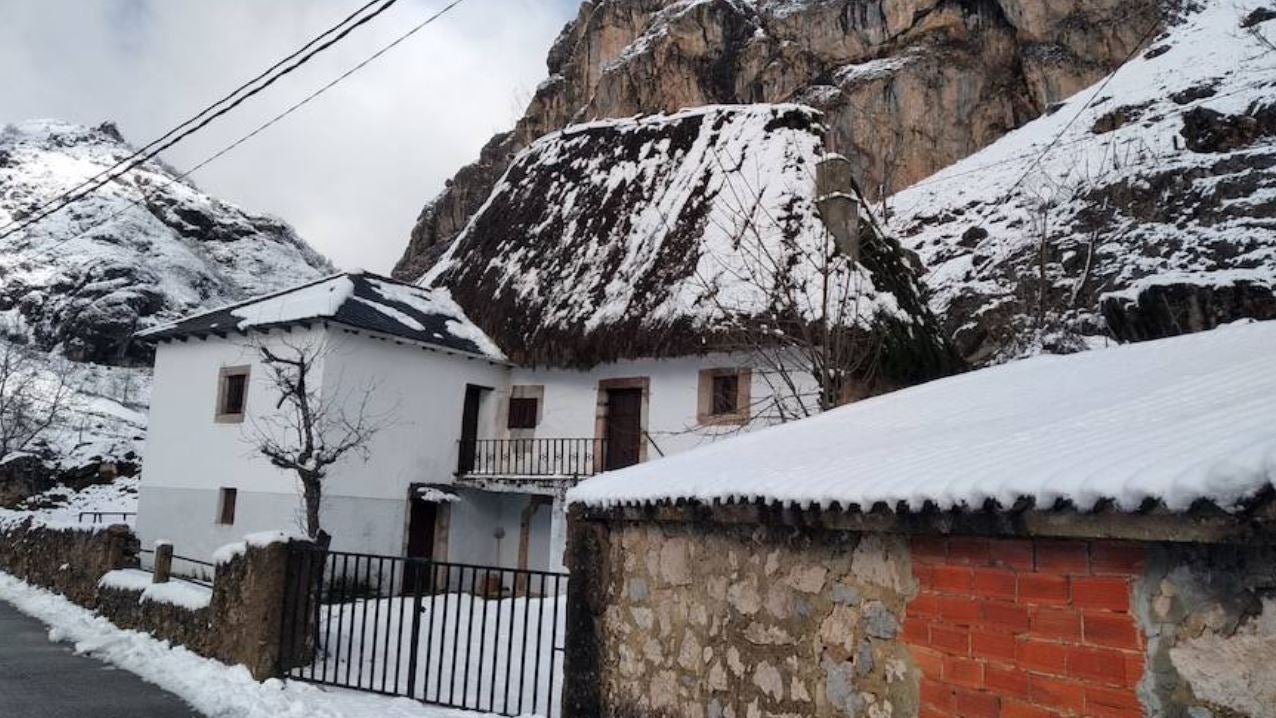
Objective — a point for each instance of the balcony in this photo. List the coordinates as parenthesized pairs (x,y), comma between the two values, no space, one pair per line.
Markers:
(528,462)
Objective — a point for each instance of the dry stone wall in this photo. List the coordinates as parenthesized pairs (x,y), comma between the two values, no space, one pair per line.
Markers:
(712,621)
(243,623)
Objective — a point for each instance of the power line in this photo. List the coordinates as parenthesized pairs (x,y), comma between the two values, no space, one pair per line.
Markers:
(68,198)
(211,107)
(292,108)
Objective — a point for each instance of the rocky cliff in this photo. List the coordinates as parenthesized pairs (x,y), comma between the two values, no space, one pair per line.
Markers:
(1144,207)
(907,86)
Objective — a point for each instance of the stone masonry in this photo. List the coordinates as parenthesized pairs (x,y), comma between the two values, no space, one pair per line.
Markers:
(712,621)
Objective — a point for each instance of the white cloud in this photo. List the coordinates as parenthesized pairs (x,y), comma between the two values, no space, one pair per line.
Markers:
(352,169)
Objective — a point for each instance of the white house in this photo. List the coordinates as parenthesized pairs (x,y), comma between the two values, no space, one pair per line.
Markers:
(474,455)
(578,324)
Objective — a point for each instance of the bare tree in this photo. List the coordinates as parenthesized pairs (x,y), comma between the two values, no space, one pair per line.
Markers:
(36,396)
(311,428)
(796,301)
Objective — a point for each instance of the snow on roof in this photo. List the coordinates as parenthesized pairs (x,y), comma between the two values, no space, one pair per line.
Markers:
(635,237)
(1177,420)
(360,300)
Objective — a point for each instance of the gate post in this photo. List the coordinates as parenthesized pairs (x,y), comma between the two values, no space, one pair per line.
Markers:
(588,552)
(413,639)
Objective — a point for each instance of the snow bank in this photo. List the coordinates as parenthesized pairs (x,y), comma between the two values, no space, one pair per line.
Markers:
(230,551)
(1177,420)
(210,687)
(126,579)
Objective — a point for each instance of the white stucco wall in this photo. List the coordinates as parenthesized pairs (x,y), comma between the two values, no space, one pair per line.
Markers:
(571,399)
(417,393)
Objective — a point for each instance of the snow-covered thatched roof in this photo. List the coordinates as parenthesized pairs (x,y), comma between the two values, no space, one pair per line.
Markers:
(359,300)
(1172,421)
(629,238)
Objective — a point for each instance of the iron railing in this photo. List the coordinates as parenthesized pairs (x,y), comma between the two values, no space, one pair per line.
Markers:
(531,457)
(472,637)
(98,516)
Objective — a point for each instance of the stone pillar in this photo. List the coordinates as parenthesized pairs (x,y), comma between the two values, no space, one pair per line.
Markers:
(588,554)
(558,532)
(163,562)
(838,204)
(247,611)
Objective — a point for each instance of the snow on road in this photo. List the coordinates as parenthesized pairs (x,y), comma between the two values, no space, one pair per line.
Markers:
(213,688)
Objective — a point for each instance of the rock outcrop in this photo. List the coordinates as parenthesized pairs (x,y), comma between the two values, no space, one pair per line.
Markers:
(144,249)
(1143,208)
(907,86)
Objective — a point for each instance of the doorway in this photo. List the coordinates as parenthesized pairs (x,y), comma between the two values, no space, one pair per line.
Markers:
(469,428)
(423,519)
(623,432)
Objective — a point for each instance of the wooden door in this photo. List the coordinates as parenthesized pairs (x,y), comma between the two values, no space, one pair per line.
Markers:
(422,517)
(624,428)
(469,428)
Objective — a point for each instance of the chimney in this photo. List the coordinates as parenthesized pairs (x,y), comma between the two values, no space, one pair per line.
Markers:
(836,200)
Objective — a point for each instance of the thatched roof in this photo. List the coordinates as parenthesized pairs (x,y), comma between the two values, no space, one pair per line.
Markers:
(627,238)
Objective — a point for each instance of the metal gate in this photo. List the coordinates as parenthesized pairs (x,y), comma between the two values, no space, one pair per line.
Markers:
(481,638)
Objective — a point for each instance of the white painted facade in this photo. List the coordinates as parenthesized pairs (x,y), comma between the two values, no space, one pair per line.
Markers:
(420,391)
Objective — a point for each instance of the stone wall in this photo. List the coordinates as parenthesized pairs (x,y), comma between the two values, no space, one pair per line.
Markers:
(69,561)
(717,621)
(712,616)
(241,625)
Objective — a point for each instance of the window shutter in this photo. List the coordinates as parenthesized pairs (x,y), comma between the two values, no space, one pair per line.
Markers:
(522,413)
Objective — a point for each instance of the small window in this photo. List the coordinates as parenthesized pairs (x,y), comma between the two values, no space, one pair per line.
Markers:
(232,394)
(726,394)
(522,414)
(226,506)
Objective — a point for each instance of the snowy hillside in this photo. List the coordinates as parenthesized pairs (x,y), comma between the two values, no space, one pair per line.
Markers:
(1153,214)
(143,250)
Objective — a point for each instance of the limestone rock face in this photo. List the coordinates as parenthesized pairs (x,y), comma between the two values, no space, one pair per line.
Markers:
(908,86)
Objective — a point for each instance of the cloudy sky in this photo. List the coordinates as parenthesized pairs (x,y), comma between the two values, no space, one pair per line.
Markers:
(352,169)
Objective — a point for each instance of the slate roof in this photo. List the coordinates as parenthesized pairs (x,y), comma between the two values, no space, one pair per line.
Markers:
(359,300)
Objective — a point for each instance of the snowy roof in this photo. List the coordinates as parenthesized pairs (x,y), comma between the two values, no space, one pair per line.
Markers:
(637,237)
(1175,420)
(357,299)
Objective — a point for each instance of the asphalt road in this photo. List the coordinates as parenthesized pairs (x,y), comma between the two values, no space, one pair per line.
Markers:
(42,679)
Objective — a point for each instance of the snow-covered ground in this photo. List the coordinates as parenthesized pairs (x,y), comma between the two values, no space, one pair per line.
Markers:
(212,688)
(62,506)
(463,652)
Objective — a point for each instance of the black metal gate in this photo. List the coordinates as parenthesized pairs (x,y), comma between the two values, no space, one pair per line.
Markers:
(481,638)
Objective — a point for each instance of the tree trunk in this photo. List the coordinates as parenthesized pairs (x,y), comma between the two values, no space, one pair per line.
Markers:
(312,490)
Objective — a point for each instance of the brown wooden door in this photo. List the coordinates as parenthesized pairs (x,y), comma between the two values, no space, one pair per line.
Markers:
(469,428)
(421,520)
(624,428)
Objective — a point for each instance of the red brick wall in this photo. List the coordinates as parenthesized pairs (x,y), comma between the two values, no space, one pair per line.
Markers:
(1025,629)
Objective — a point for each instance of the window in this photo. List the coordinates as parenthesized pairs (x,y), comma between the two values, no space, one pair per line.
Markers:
(226,506)
(232,394)
(522,414)
(723,396)
(726,394)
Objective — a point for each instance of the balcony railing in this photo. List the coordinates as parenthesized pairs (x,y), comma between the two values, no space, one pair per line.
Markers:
(539,458)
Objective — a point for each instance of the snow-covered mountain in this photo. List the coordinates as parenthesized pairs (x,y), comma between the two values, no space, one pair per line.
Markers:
(1152,214)
(145,249)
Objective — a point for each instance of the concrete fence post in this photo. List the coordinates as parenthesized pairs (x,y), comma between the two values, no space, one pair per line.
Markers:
(163,562)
